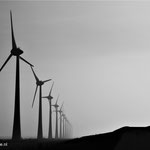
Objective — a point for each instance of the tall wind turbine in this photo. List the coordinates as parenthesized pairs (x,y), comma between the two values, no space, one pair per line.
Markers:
(60,113)
(56,110)
(39,83)
(16,51)
(49,97)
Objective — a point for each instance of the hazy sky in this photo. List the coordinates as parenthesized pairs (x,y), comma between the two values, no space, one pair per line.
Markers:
(97,53)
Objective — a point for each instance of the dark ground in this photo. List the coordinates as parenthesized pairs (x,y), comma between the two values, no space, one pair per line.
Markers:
(126,138)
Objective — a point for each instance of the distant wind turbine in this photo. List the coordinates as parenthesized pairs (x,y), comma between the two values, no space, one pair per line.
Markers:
(68,128)
(49,97)
(39,83)
(56,110)
(63,121)
(60,112)
(16,51)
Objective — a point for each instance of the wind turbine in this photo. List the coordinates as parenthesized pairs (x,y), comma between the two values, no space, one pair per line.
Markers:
(68,128)
(39,83)
(16,51)
(63,125)
(60,112)
(56,110)
(49,97)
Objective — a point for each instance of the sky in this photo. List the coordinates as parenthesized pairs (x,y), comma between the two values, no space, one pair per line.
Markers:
(96,52)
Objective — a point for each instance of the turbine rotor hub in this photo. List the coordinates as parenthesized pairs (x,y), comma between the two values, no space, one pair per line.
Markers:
(16,51)
(50,97)
(39,83)
(56,105)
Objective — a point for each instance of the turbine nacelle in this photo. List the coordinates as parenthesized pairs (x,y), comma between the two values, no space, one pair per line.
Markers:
(60,111)
(56,105)
(50,97)
(39,83)
(16,51)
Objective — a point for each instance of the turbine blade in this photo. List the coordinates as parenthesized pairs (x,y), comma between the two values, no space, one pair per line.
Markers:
(26,61)
(36,78)
(44,97)
(6,62)
(51,89)
(61,106)
(14,46)
(34,95)
(47,80)
(57,99)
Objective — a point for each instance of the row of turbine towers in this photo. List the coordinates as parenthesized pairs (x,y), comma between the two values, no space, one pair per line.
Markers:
(65,126)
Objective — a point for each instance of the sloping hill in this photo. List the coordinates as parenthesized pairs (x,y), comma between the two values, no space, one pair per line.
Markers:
(125,138)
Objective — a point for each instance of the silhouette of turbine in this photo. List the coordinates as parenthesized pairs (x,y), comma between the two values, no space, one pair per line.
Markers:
(68,128)
(39,83)
(49,97)
(16,51)
(63,125)
(56,110)
(60,113)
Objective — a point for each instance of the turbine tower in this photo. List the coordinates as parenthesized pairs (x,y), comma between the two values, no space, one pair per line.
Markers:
(49,97)
(39,83)
(63,121)
(68,129)
(60,113)
(16,51)
(56,110)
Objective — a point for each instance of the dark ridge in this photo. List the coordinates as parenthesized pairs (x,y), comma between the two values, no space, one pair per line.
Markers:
(125,138)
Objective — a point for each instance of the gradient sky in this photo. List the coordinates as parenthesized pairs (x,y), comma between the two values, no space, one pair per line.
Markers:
(97,53)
